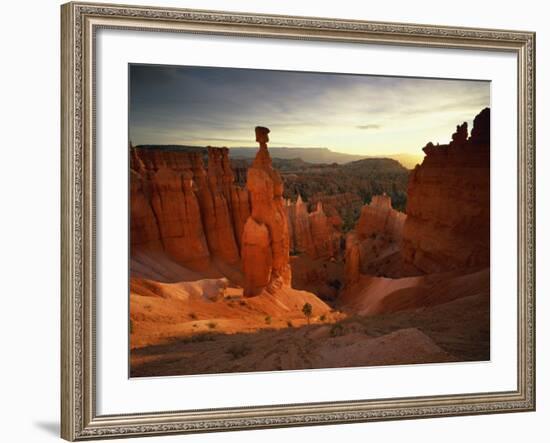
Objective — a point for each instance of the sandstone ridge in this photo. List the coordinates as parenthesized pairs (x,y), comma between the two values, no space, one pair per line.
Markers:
(194,214)
(448,209)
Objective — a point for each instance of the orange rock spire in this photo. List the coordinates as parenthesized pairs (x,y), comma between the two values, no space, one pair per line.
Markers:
(265,241)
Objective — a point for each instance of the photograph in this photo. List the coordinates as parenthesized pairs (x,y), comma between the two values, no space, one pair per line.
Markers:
(289,220)
(274,217)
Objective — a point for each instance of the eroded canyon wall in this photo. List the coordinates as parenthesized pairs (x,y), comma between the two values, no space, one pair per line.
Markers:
(377,234)
(195,214)
(448,209)
(313,233)
(301,240)
(379,218)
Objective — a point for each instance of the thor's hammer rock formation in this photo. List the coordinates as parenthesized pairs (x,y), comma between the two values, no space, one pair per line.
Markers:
(265,240)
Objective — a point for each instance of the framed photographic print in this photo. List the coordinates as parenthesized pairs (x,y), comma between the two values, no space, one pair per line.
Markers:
(282,221)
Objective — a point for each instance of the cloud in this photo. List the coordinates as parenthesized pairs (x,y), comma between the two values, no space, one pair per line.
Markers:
(194,105)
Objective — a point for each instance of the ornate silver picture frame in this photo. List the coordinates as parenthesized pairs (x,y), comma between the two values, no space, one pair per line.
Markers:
(80,23)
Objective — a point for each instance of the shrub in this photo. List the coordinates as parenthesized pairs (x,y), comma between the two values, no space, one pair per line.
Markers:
(289,324)
(238,350)
(212,325)
(323,317)
(199,338)
(307,309)
(337,330)
(268,320)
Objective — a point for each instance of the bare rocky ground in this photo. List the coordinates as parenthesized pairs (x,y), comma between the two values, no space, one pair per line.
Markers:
(448,332)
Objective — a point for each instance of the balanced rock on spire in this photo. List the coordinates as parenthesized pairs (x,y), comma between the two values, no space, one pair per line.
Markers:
(265,240)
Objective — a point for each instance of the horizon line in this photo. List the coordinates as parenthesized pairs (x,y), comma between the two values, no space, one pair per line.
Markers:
(152,145)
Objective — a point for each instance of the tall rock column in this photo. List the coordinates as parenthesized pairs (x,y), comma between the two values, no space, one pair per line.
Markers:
(265,240)
(352,268)
(302,240)
(321,233)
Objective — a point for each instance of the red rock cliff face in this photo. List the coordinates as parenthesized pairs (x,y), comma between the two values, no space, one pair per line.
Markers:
(214,190)
(448,209)
(301,240)
(192,213)
(377,234)
(313,233)
(165,212)
(265,241)
(352,270)
(379,218)
(325,238)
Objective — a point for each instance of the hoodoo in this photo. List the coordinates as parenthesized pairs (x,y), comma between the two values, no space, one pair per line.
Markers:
(298,220)
(265,241)
(325,239)
(379,218)
(375,239)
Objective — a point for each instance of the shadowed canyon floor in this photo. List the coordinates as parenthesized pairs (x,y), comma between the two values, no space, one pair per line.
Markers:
(453,331)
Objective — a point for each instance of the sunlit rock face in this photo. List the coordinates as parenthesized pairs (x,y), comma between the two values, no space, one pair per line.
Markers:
(379,218)
(194,214)
(301,240)
(213,188)
(325,239)
(313,233)
(376,236)
(352,259)
(448,203)
(267,226)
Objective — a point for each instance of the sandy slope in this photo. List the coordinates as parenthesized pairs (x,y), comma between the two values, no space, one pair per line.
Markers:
(167,301)
(374,295)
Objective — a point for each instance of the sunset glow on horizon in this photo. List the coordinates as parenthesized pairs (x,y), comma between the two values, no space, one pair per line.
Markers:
(354,114)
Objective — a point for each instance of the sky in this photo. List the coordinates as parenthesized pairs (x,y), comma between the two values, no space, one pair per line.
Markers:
(355,114)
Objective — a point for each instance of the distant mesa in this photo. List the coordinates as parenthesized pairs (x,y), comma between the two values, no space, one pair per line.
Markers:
(325,155)
(309,155)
